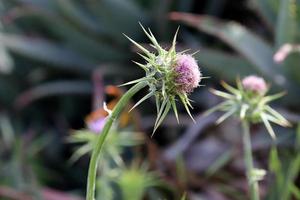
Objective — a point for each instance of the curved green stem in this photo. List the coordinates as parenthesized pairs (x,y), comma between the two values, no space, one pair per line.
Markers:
(253,184)
(91,182)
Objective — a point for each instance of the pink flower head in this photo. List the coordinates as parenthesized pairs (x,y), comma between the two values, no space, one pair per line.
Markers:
(282,53)
(188,74)
(255,84)
(96,125)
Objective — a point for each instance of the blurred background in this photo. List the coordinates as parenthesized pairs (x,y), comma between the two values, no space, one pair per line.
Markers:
(61,59)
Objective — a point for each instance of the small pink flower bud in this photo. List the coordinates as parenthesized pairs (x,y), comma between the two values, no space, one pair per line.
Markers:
(255,84)
(282,53)
(187,72)
(96,125)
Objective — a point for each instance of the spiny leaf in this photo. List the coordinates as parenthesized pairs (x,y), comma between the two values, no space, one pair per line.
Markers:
(226,115)
(161,109)
(142,100)
(222,94)
(184,102)
(243,111)
(230,88)
(175,109)
(239,84)
(218,107)
(172,49)
(268,126)
(188,101)
(157,102)
(152,38)
(136,81)
(138,45)
(275,120)
(163,89)
(277,115)
(158,47)
(144,67)
(163,116)
(272,97)
(144,57)
(79,153)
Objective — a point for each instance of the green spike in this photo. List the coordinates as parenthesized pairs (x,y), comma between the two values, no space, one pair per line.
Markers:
(274,120)
(138,45)
(218,107)
(188,101)
(144,67)
(222,94)
(195,52)
(243,111)
(186,107)
(277,115)
(136,81)
(161,108)
(173,47)
(157,103)
(184,51)
(272,97)
(152,38)
(142,100)
(226,115)
(175,109)
(205,77)
(79,153)
(230,88)
(148,59)
(239,84)
(268,126)
(144,57)
(163,116)
(154,41)
(163,89)
(147,34)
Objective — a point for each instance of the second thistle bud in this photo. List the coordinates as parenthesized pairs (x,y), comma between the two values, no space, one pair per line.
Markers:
(249,102)
(255,84)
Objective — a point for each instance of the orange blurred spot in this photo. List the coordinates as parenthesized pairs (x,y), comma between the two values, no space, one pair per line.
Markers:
(101,113)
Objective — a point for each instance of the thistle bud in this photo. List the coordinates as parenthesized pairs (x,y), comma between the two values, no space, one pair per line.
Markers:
(249,102)
(170,75)
(255,84)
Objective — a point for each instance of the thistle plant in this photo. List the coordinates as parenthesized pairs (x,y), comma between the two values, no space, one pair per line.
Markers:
(135,180)
(170,75)
(249,103)
(112,163)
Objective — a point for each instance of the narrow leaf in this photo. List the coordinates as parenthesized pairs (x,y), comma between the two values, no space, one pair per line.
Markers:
(268,126)
(142,100)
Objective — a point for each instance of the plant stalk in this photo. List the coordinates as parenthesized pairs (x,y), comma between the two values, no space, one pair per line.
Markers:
(92,174)
(253,184)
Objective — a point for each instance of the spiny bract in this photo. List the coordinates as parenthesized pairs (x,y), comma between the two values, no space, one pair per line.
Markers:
(249,102)
(170,75)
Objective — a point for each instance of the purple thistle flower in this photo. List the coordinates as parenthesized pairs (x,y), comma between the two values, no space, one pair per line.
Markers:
(187,72)
(255,84)
(97,125)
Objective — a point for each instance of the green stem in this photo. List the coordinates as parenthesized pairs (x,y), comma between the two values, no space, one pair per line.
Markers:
(91,182)
(253,184)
